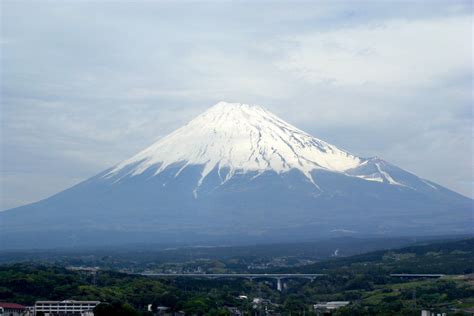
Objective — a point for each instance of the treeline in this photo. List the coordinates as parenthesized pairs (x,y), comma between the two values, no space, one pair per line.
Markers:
(447,257)
(26,283)
(363,279)
(146,256)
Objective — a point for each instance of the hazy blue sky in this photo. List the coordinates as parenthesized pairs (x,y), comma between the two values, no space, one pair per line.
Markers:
(86,84)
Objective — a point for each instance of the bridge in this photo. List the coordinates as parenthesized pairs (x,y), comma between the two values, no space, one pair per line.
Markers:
(277,276)
(417,275)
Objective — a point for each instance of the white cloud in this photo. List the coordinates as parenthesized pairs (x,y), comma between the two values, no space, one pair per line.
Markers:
(80,93)
(395,52)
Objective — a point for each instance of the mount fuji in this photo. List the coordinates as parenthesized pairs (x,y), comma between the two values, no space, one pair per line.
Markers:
(238,173)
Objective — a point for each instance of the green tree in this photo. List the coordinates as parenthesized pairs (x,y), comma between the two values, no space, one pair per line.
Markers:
(105,309)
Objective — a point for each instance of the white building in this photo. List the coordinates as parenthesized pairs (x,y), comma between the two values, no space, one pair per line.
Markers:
(66,308)
(431,313)
(330,306)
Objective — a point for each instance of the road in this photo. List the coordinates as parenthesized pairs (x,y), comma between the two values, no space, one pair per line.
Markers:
(236,275)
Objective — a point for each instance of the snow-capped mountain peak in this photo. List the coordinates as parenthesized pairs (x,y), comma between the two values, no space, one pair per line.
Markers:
(258,178)
(240,138)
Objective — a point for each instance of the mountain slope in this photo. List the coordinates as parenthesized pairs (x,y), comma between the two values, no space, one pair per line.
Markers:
(240,138)
(238,172)
(247,138)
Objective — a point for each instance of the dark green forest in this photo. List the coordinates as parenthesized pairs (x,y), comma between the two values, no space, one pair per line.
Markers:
(364,280)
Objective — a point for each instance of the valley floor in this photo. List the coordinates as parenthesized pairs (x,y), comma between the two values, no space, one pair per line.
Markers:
(362,280)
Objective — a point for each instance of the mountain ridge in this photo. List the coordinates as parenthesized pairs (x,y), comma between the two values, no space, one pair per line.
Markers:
(230,136)
(222,176)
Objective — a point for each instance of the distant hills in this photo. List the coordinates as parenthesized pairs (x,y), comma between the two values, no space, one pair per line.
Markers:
(452,257)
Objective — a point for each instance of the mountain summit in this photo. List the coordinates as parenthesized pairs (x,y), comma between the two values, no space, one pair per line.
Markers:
(238,172)
(242,138)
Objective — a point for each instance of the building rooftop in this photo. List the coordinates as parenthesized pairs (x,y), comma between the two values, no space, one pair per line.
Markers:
(331,305)
(68,301)
(12,305)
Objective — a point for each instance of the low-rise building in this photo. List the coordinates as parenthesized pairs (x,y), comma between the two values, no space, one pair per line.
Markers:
(328,307)
(432,313)
(12,309)
(235,311)
(260,301)
(65,308)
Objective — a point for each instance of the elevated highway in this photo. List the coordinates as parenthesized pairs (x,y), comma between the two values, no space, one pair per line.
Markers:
(277,276)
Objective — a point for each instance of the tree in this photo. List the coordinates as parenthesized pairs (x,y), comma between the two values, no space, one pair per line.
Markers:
(196,306)
(105,309)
